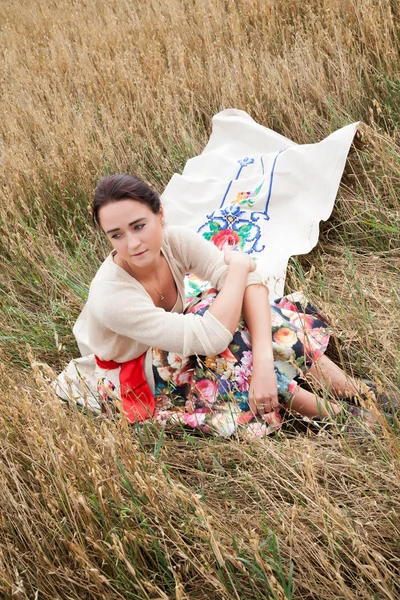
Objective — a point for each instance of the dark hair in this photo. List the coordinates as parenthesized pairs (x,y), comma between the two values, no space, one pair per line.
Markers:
(123,187)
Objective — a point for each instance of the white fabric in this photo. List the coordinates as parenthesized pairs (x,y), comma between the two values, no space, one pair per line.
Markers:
(250,176)
(78,382)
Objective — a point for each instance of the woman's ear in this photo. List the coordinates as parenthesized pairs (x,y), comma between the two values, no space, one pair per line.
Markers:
(162,219)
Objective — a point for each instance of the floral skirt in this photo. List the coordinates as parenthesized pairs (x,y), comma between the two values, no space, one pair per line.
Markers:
(211,393)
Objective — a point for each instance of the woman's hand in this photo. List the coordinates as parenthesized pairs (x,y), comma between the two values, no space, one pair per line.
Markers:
(237,257)
(263,392)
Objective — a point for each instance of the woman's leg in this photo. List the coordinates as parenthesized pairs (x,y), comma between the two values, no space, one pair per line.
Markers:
(310,405)
(324,373)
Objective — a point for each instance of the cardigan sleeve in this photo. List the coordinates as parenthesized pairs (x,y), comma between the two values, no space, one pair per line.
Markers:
(204,259)
(126,311)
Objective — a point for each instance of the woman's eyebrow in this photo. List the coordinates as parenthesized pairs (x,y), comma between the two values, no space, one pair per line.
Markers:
(133,223)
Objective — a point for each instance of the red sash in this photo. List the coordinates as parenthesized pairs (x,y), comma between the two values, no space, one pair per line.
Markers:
(136,397)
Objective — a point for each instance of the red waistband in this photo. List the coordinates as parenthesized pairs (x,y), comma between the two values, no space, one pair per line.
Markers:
(136,397)
(107,364)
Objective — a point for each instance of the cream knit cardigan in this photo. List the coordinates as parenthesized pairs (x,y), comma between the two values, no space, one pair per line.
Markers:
(120,321)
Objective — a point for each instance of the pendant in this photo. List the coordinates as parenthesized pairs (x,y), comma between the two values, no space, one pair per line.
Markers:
(162,297)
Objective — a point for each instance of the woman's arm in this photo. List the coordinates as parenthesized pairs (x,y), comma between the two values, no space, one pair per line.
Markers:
(227,306)
(263,393)
(126,310)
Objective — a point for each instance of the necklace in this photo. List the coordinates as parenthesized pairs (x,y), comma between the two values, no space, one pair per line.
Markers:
(159,292)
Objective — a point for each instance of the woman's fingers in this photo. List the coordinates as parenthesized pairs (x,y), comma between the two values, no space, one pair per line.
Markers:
(231,255)
(264,405)
(268,406)
(253,265)
(275,402)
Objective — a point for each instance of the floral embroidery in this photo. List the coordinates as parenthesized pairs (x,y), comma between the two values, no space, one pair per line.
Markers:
(230,225)
(248,198)
(235,228)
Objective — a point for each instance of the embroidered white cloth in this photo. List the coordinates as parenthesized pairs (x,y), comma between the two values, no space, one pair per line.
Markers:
(256,190)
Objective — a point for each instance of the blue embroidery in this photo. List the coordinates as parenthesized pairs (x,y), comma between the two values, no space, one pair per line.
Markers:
(225,195)
(271,179)
(231,226)
(243,162)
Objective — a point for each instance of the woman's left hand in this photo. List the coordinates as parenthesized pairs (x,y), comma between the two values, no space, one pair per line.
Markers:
(263,391)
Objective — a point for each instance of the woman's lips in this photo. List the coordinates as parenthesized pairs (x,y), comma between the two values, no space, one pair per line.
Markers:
(140,253)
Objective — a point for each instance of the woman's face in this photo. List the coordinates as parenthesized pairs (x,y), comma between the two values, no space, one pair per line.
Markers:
(134,231)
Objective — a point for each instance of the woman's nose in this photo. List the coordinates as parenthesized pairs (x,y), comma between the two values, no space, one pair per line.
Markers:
(133,241)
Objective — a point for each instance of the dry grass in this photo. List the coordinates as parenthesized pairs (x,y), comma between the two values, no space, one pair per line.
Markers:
(91,510)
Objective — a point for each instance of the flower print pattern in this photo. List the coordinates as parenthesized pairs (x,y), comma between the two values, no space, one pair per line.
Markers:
(244,417)
(157,357)
(206,391)
(276,318)
(193,287)
(182,377)
(284,303)
(258,429)
(175,360)
(163,402)
(224,422)
(302,321)
(107,397)
(200,307)
(243,371)
(285,353)
(211,393)
(245,335)
(228,356)
(319,335)
(224,368)
(196,419)
(165,373)
(285,336)
(285,368)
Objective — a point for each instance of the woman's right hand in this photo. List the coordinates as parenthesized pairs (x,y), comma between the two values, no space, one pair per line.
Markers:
(236,257)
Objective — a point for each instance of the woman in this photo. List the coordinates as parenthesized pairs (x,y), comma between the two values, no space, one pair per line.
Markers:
(202,366)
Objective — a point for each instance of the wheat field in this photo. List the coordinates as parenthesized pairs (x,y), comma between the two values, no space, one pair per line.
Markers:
(94,510)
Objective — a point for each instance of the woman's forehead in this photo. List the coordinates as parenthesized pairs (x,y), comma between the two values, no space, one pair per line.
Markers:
(121,213)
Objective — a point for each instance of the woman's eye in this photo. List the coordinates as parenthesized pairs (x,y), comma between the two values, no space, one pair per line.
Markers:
(116,236)
(138,227)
